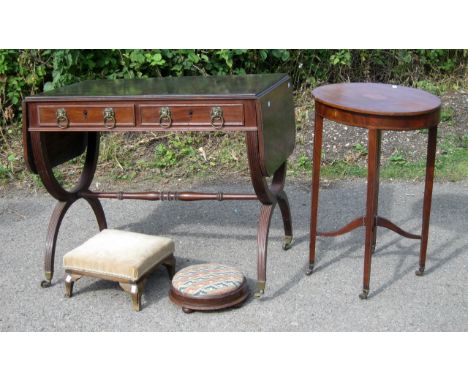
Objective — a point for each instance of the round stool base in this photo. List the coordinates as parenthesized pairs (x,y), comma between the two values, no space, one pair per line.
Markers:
(190,304)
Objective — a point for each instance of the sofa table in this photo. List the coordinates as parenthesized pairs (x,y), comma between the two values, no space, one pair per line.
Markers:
(62,124)
(375,107)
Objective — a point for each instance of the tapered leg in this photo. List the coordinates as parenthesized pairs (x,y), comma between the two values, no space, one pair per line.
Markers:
(376,188)
(317,155)
(371,208)
(431,151)
(283,204)
(266,211)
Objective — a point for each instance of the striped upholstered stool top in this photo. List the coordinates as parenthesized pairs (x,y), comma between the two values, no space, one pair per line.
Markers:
(208,287)
(207,279)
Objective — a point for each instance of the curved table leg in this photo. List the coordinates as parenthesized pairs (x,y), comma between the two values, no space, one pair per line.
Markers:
(98,212)
(269,196)
(51,240)
(266,211)
(65,198)
(283,204)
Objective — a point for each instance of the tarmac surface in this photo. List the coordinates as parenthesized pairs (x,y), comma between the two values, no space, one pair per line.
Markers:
(226,233)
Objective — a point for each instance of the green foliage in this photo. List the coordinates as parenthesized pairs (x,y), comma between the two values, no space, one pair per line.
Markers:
(361,149)
(397,158)
(446,114)
(27,72)
(175,150)
(451,164)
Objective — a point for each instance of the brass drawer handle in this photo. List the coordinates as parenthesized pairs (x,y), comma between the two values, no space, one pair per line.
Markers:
(217,118)
(165,117)
(62,118)
(109,118)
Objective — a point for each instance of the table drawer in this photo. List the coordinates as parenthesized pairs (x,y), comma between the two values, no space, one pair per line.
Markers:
(65,115)
(173,115)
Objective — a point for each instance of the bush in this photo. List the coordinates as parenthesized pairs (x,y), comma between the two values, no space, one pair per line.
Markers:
(25,72)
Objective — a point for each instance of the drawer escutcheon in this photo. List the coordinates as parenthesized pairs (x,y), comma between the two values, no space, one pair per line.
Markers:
(165,117)
(109,118)
(217,118)
(62,118)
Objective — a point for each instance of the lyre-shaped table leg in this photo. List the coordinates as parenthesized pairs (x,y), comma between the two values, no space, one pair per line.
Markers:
(269,196)
(51,240)
(266,211)
(65,198)
(283,204)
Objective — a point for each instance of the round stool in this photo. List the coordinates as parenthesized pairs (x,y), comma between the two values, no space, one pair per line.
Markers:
(375,107)
(208,287)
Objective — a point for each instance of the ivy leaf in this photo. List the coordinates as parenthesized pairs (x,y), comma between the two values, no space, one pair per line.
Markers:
(48,86)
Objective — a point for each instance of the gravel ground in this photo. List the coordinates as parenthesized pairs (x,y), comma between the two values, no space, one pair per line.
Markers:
(226,232)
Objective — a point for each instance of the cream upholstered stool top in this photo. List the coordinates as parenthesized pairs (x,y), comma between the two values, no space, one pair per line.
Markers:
(208,287)
(125,257)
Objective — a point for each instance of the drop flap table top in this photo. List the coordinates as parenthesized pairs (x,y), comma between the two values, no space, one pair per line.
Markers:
(245,87)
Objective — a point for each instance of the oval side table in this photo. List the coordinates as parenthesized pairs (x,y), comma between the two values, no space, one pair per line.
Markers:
(375,107)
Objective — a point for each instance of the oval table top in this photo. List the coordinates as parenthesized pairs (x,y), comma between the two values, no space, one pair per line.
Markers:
(377,99)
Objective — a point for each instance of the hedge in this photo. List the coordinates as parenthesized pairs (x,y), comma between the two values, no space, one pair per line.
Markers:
(25,72)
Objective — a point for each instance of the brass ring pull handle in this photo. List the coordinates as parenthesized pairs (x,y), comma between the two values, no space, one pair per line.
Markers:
(62,118)
(217,118)
(165,117)
(109,118)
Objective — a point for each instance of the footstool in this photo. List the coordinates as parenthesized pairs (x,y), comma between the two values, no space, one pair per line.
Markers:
(125,257)
(208,287)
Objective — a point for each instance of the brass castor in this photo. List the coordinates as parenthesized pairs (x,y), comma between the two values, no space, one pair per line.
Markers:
(259,293)
(45,283)
(420,271)
(364,294)
(310,270)
(260,289)
(187,310)
(287,242)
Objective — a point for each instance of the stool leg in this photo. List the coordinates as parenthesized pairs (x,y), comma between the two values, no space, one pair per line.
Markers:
(136,290)
(430,161)
(170,264)
(70,279)
(69,285)
(317,155)
(371,206)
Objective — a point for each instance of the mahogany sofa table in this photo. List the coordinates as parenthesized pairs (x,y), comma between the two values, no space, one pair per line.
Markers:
(375,107)
(64,123)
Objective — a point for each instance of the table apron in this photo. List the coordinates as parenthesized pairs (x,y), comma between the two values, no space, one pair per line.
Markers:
(383,122)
